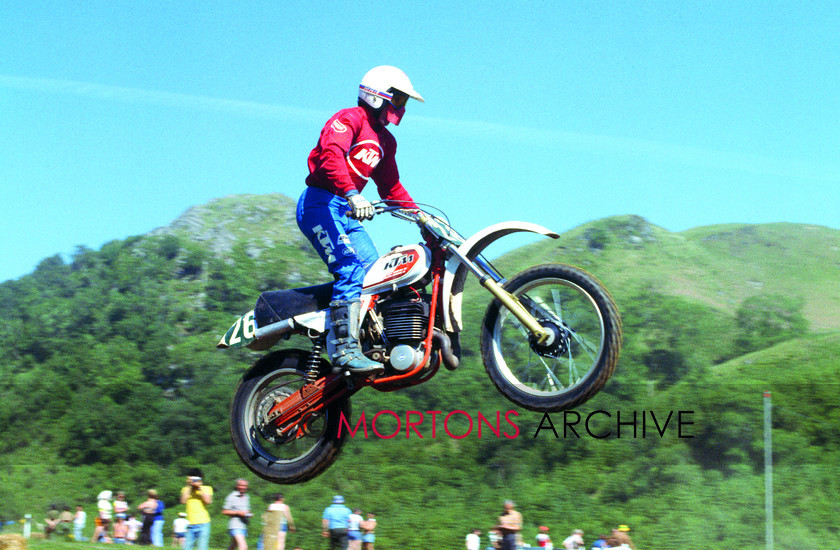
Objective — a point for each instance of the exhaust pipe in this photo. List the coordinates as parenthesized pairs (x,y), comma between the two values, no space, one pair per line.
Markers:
(450,359)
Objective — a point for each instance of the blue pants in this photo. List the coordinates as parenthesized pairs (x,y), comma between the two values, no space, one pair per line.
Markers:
(198,535)
(157,533)
(341,242)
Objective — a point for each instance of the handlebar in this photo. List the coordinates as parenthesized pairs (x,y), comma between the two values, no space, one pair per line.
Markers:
(436,225)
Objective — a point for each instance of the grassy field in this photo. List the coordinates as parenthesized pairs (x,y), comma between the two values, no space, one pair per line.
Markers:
(55,544)
(58,544)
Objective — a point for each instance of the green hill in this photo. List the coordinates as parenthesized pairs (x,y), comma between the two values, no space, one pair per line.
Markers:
(109,378)
(718,266)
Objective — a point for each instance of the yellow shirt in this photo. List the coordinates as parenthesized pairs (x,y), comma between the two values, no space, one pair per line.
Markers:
(196,511)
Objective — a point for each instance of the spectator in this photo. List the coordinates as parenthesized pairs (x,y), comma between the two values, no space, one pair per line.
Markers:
(354,533)
(197,496)
(368,526)
(286,522)
(574,541)
(51,521)
(79,522)
(179,529)
(104,514)
(120,530)
(620,536)
(134,527)
(152,509)
(334,523)
(237,507)
(120,506)
(65,520)
(600,542)
(543,540)
(473,540)
(510,524)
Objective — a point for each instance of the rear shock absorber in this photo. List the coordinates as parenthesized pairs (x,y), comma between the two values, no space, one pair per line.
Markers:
(313,362)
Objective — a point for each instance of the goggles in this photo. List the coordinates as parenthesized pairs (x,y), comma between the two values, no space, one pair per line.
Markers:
(395,97)
(398,99)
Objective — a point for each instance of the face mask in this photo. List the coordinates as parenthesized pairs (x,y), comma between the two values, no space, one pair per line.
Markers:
(391,115)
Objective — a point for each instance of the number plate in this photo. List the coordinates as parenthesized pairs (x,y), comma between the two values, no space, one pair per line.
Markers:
(242,333)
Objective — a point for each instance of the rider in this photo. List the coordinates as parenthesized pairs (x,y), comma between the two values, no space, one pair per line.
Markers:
(354,145)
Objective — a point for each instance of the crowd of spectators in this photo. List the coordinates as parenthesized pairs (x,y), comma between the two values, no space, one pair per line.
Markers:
(118,522)
(344,528)
(506,534)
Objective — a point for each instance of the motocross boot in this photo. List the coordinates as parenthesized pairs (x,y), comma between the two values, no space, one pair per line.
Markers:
(343,339)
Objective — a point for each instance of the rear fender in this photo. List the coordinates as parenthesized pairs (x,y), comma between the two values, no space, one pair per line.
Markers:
(456,273)
(315,321)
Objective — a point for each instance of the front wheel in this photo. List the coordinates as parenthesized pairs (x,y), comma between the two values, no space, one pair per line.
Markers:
(583,346)
(301,454)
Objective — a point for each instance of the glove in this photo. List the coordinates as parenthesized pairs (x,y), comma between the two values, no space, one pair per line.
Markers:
(360,208)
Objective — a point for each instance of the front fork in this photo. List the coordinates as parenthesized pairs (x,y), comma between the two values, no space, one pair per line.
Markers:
(490,279)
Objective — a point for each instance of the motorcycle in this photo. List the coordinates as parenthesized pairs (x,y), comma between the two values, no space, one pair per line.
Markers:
(550,340)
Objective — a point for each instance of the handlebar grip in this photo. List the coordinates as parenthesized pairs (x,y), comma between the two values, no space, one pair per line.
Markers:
(377,209)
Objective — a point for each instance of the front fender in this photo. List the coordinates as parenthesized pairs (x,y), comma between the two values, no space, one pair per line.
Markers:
(455,275)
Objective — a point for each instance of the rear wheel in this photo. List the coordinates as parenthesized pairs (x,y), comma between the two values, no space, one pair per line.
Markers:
(583,346)
(306,450)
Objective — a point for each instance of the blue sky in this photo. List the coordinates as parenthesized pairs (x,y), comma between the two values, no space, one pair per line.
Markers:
(117,116)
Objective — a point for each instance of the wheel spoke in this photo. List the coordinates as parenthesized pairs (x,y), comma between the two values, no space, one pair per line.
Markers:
(551,379)
(576,322)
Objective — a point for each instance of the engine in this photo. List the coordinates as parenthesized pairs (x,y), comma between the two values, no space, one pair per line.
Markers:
(405,321)
(404,326)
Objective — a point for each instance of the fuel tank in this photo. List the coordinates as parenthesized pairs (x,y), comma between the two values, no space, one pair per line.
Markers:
(402,266)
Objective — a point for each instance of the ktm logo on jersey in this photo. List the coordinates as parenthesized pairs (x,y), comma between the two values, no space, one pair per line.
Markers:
(363,157)
(368,156)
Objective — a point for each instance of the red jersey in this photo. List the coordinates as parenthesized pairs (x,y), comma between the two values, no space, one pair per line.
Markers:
(352,148)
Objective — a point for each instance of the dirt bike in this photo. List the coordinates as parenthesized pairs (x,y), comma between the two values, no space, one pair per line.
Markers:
(550,340)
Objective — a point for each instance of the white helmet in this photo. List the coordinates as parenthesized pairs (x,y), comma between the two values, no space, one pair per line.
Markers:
(378,83)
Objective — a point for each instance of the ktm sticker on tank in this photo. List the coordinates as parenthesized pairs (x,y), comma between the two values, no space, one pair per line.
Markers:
(399,266)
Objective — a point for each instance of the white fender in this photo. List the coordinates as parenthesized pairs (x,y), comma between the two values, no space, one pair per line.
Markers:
(456,273)
(316,320)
